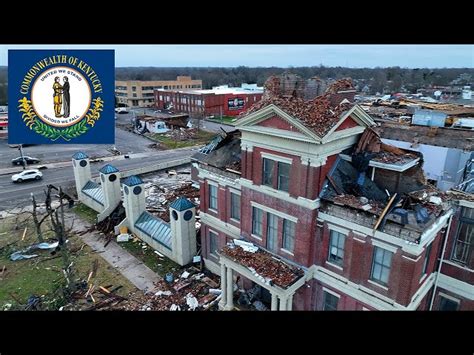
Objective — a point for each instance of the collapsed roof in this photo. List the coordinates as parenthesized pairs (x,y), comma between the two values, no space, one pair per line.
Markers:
(320,113)
(413,205)
(222,152)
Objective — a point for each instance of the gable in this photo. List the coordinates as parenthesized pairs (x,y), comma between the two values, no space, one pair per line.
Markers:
(347,123)
(278,123)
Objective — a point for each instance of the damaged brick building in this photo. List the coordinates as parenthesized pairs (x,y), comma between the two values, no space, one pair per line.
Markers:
(305,208)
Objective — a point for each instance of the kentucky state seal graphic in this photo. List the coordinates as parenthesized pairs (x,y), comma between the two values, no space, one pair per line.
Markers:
(61,96)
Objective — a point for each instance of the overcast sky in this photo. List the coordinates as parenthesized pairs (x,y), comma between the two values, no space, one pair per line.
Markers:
(408,56)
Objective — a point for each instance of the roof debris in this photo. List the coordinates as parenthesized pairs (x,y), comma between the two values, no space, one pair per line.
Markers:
(263,264)
(319,114)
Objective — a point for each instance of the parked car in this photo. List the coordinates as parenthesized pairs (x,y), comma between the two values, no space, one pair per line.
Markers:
(121,110)
(29,160)
(33,174)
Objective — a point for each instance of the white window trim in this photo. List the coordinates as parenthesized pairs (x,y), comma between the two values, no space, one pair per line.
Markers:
(334,265)
(256,237)
(413,260)
(365,309)
(287,251)
(338,229)
(277,158)
(451,298)
(213,210)
(359,240)
(234,220)
(213,183)
(234,191)
(377,284)
(385,246)
(331,292)
(275,212)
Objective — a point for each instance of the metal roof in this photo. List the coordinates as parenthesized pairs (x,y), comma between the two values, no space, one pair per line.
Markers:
(156,228)
(80,155)
(133,180)
(181,204)
(94,191)
(108,169)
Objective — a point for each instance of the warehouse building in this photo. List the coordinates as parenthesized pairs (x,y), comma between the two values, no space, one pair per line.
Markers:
(218,101)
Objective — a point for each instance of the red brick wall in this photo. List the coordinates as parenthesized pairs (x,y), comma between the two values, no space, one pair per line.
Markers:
(405,275)
(304,228)
(348,123)
(277,122)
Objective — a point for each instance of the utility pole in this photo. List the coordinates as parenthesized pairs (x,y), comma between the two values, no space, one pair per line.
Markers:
(22,157)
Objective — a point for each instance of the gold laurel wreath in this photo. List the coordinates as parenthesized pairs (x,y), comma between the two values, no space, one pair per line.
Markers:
(29,116)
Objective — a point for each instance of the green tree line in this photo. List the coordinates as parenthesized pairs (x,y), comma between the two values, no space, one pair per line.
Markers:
(382,80)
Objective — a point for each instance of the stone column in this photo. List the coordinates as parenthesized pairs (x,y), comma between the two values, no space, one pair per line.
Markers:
(290,303)
(283,303)
(230,290)
(274,302)
(223,300)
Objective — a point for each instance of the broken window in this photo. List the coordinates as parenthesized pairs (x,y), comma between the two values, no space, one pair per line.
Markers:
(283,176)
(213,197)
(330,302)
(427,257)
(257,221)
(336,247)
(447,304)
(213,242)
(463,245)
(272,231)
(268,172)
(235,206)
(288,235)
(382,260)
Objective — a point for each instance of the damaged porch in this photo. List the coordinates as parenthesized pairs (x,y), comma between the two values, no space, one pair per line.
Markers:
(264,269)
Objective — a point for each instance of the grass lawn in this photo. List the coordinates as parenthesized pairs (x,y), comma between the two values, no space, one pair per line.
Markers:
(42,276)
(85,212)
(201,138)
(160,265)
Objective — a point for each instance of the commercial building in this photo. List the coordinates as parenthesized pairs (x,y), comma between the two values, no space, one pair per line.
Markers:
(304,207)
(137,93)
(218,101)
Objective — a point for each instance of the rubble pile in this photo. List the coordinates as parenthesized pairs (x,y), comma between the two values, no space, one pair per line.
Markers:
(265,265)
(340,85)
(318,114)
(182,134)
(164,188)
(192,290)
(371,206)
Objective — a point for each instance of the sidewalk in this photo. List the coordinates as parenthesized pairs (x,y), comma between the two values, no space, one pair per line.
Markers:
(128,265)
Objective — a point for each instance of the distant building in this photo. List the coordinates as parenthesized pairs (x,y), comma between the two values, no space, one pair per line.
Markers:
(136,93)
(218,101)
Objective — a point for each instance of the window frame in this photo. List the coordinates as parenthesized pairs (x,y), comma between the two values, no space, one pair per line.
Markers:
(273,227)
(266,175)
(332,232)
(447,299)
(280,175)
(325,303)
(216,242)
(233,197)
(254,221)
(212,197)
(469,222)
(382,266)
(287,222)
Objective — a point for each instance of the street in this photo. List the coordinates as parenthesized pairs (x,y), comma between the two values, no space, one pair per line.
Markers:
(16,195)
(126,142)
